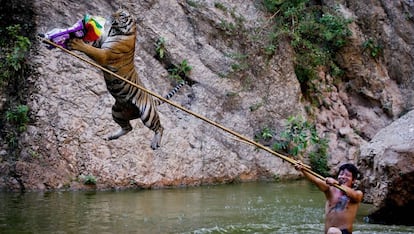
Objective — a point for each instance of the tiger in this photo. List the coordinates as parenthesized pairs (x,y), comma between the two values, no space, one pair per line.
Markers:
(115,51)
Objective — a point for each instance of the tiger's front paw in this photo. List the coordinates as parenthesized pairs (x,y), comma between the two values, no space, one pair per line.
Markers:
(76,44)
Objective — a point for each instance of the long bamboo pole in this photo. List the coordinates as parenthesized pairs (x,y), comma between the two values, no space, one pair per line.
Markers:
(243,138)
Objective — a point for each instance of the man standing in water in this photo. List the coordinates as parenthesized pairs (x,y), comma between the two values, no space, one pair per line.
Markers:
(341,206)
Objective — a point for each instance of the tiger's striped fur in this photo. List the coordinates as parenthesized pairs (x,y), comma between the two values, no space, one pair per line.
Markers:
(115,51)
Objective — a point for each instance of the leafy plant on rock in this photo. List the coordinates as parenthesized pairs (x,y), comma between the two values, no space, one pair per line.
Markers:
(14,48)
(374,49)
(181,71)
(17,119)
(300,137)
(160,47)
(88,179)
(315,32)
(265,134)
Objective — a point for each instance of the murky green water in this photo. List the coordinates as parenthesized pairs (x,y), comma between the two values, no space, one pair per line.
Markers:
(294,207)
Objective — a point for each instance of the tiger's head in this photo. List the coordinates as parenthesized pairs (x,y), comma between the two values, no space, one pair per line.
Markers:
(122,23)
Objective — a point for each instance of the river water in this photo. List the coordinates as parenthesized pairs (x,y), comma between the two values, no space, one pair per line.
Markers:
(293,207)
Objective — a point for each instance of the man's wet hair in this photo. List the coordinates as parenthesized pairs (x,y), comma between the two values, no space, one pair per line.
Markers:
(356,175)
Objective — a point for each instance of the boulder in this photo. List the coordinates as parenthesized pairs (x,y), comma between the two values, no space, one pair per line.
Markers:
(388,163)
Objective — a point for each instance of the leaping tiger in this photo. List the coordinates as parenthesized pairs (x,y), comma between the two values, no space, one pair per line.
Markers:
(115,51)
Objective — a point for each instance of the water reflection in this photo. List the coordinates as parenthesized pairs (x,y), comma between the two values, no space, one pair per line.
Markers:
(294,207)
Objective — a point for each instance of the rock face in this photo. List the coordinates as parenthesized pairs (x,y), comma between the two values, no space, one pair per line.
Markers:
(232,83)
(388,163)
(71,107)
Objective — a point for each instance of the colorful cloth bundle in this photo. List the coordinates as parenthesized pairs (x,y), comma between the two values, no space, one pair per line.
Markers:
(89,29)
(94,27)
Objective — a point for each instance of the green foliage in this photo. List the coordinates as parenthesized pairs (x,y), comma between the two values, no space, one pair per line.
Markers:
(18,117)
(220,6)
(12,139)
(270,50)
(241,63)
(318,158)
(374,49)
(177,72)
(181,71)
(265,134)
(315,34)
(13,52)
(297,135)
(160,47)
(34,154)
(300,137)
(88,179)
(235,27)
(13,67)
(193,3)
(228,27)
(272,5)
(17,120)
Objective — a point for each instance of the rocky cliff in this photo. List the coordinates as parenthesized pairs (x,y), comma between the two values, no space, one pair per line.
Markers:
(70,108)
(388,165)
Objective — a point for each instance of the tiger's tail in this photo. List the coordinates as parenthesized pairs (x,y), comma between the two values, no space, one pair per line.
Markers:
(171,93)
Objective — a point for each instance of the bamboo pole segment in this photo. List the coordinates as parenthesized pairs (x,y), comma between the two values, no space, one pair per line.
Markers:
(239,136)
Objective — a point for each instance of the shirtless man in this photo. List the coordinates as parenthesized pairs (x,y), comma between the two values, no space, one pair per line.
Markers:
(341,207)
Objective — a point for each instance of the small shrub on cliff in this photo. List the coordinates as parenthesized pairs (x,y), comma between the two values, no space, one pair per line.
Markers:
(160,47)
(265,134)
(318,157)
(13,51)
(374,49)
(88,179)
(13,68)
(220,6)
(315,32)
(300,137)
(16,122)
(18,117)
(296,137)
(180,72)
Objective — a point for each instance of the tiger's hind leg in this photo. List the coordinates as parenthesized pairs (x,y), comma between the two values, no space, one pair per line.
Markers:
(156,140)
(121,132)
(122,114)
(152,121)
(155,125)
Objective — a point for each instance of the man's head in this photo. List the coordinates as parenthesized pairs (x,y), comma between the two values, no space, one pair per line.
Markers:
(351,168)
(347,174)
